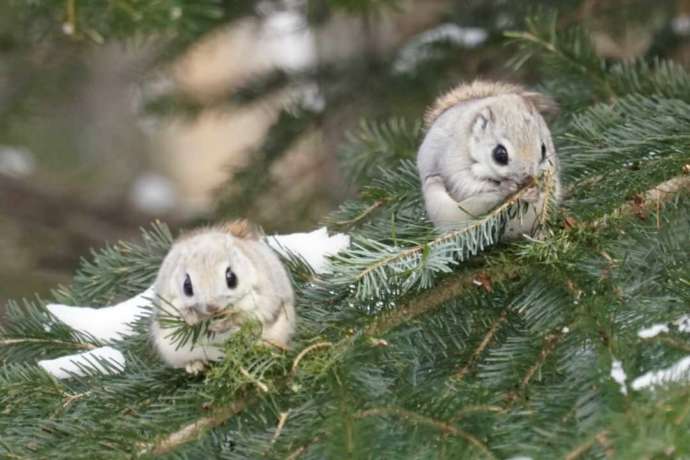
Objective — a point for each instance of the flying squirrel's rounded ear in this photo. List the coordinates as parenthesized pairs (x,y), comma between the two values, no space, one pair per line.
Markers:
(244,229)
(482,121)
(543,103)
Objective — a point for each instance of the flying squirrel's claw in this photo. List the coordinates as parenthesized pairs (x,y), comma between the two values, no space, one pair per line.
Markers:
(222,325)
(279,346)
(195,367)
(531,195)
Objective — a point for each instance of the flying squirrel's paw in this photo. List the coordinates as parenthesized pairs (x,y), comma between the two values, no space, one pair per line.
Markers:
(223,325)
(531,195)
(195,367)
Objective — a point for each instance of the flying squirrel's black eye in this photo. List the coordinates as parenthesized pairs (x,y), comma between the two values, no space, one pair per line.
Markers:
(230,278)
(543,152)
(187,286)
(500,155)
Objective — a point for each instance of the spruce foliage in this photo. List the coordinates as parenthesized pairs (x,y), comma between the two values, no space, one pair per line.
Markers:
(420,344)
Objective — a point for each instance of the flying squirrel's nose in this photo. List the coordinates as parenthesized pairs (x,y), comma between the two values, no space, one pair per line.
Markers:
(522,179)
(527,179)
(212,309)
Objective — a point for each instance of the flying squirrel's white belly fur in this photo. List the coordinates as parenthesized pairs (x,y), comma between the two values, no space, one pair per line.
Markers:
(203,350)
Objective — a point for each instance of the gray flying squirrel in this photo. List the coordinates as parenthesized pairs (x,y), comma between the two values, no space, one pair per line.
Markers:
(485,140)
(223,273)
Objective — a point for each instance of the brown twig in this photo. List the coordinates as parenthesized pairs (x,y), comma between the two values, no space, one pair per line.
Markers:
(304,352)
(484,343)
(429,300)
(440,425)
(476,408)
(259,384)
(193,430)
(281,424)
(301,449)
(377,204)
(550,343)
(79,345)
(585,446)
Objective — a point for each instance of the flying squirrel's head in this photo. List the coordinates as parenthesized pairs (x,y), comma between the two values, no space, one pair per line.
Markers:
(503,130)
(206,271)
(509,141)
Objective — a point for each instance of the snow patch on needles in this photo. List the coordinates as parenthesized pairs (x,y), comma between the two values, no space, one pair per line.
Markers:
(683,323)
(679,372)
(652,331)
(314,247)
(618,375)
(107,323)
(105,360)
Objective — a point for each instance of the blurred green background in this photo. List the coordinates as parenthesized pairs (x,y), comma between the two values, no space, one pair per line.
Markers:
(117,113)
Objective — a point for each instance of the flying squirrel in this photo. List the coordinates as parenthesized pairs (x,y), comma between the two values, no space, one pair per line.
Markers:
(485,141)
(223,273)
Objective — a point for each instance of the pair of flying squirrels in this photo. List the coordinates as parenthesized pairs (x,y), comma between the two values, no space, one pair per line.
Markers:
(484,142)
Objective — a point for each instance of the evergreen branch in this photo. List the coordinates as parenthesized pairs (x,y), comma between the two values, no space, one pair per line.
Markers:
(431,299)
(440,425)
(488,338)
(301,449)
(660,194)
(372,273)
(475,409)
(569,53)
(474,227)
(192,431)
(78,345)
(455,285)
(281,424)
(379,146)
(303,353)
(549,346)
(447,289)
(582,449)
(363,215)
(674,343)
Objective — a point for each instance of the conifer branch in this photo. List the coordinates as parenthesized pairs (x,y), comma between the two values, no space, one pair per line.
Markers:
(429,300)
(303,353)
(488,338)
(417,250)
(583,448)
(549,346)
(301,449)
(78,345)
(440,425)
(281,424)
(454,285)
(363,215)
(193,430)
(662,193)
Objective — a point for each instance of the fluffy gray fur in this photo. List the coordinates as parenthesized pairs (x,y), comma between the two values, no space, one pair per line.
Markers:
(263,292)
(460,179)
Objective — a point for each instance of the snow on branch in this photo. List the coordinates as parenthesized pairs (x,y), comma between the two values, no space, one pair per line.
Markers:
(105,360)
(679,372)
(105,323)
(314,247)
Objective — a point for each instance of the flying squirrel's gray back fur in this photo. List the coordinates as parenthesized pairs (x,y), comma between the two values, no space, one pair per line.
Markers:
(479,89)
